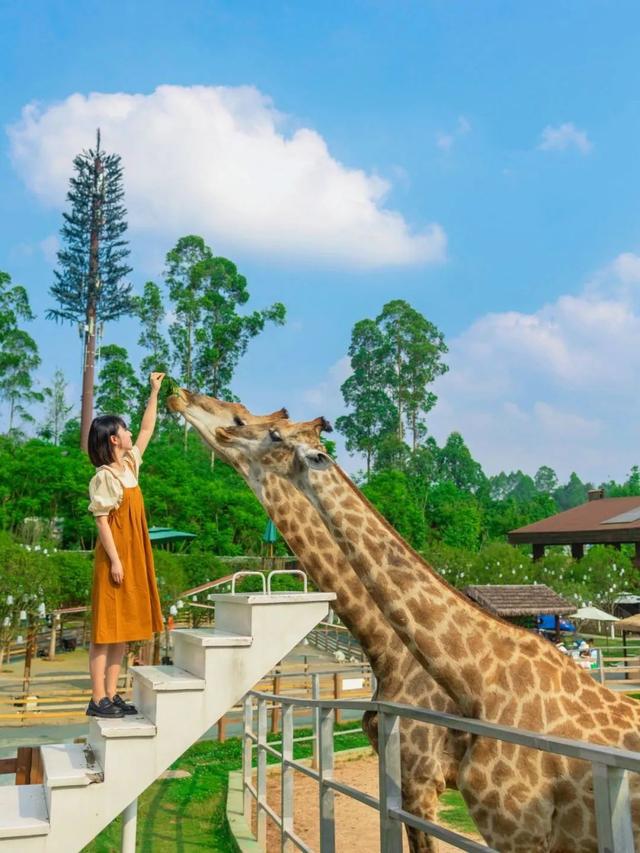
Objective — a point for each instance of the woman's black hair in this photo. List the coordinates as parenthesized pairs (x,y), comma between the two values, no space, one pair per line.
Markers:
(99,447)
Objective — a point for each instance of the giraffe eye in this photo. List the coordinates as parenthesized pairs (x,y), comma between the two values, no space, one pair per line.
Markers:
(275,435)
(238,421)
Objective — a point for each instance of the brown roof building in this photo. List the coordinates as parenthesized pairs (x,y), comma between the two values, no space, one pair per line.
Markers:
(509,600)
(607,521)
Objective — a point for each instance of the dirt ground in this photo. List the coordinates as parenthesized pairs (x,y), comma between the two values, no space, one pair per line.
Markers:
(357,825)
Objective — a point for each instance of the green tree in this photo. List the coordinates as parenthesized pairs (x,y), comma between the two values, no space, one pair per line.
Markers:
(118,388)
(457,465)
(390,493)
(374,415)
(57,409)
(546,480)
(18,351)
(149,309)
(14,305)
(89,283)
(572,493)
(629,488)
(415,348)
(185,296)
(454,515)
(223,334)
(422,468)
(18,359)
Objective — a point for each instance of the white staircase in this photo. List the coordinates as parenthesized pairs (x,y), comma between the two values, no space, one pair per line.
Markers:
(85,786)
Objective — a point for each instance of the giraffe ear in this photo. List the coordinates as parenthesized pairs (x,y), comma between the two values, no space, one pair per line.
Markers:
(322,425)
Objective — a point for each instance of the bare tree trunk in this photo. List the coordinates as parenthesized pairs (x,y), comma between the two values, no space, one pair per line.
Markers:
(28,654)
(88,379)
(88,371)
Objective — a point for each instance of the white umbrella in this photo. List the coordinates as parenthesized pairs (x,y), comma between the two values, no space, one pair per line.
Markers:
(594,614)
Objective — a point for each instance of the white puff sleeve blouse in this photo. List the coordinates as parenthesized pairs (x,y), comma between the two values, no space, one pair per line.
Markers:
(107,488)
(105,492)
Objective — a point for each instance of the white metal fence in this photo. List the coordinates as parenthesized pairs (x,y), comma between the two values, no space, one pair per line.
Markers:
(610,773)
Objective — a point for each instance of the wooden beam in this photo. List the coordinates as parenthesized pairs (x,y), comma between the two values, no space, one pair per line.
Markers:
(538,551)
(568,537)
(23,765)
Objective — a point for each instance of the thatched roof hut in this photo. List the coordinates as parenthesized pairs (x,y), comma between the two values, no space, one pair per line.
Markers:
(511,600)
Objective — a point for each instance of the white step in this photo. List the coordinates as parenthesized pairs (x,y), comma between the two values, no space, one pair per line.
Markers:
(211,637)
(67,765)
(132,725)
(23,811)
(162,678)
(245,613)
(214,669)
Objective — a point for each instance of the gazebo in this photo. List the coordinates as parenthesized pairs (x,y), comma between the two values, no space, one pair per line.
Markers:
(600,521)
(514,601)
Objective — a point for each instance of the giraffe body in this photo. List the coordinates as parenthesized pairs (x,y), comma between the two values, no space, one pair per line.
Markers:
(522,800)
(430,754)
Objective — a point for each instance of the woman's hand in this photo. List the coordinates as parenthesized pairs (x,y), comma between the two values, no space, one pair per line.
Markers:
(156,381)
(117,572)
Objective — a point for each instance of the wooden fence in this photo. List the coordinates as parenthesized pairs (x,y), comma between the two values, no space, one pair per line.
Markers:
(26,766)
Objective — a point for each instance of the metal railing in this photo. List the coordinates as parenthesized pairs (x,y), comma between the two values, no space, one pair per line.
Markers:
(336,638)
(610,768)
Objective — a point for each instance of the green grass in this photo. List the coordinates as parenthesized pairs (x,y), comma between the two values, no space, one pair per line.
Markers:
(185,815)
(454,812)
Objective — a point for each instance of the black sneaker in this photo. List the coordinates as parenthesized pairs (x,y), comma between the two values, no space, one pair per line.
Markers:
(103,708)
(125,707)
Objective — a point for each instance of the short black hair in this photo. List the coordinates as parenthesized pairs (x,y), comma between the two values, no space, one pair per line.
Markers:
(99,447)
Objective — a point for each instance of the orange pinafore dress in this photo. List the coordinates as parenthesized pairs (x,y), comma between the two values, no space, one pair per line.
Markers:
(129,610)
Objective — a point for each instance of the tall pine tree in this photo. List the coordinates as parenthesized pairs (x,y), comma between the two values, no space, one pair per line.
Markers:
(89,284)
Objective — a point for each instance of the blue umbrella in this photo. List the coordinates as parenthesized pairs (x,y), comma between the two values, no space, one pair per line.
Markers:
(270,534)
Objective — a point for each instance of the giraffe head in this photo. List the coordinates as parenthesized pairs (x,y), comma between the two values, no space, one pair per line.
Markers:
(282,447)
(207,414)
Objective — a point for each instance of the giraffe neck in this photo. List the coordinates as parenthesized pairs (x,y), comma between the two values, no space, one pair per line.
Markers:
(306,535)
(453,639)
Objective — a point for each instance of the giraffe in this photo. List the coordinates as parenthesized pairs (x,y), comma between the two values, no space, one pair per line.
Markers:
(522,800)
(430,754)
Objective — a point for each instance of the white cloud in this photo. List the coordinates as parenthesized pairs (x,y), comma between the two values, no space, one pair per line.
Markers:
(326,394)
(446,140)
(564,136)
(49,248)
(557,386)
(223,161)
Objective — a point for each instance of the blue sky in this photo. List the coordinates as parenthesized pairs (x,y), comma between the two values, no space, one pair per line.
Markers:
(476,159)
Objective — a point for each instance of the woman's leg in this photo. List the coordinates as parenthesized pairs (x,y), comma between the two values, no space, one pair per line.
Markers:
(97,668)
(114,660)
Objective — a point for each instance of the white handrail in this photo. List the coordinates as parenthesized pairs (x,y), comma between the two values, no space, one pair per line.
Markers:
(237,575)
(286,572)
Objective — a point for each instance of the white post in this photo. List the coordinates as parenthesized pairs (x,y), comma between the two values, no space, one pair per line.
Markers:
(315,695)
(286,844)
(613,809)
(261,782)
(327,814)
(129,825)
(55,621)
(247,746)
(390,781)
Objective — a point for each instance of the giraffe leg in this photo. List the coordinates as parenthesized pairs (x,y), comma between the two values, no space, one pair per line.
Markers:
(422,800)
